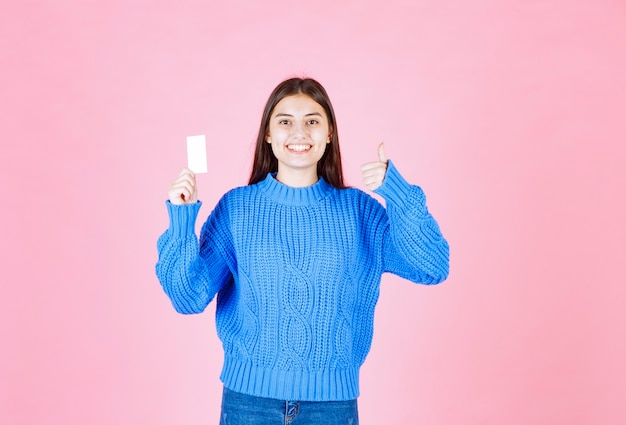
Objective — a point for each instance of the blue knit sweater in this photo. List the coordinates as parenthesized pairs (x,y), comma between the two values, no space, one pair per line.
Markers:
(297,273)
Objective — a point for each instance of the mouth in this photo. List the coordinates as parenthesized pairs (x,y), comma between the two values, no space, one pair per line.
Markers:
(298,148)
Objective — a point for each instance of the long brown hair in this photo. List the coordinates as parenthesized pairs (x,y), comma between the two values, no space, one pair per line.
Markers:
(329,166)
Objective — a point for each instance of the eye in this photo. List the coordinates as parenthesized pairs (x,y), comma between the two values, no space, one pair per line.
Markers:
(283,122)
(312,122)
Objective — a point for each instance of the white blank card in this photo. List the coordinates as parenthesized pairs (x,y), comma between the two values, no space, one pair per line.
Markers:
(196,154)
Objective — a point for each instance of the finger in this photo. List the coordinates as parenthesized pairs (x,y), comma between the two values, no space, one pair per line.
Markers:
(372,166)
(377,168)
(187,171)
(372,184)
(381,153)
(376,174)
(183,189)
(369,180)
(186,175)
(181,185)
(181,193)
(185,179)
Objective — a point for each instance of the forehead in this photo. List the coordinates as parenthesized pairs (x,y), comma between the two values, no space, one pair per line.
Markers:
(298,104)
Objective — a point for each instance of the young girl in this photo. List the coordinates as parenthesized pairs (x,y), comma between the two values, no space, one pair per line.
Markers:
(295,259)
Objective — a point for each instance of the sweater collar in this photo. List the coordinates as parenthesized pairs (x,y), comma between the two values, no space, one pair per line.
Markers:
(296,196)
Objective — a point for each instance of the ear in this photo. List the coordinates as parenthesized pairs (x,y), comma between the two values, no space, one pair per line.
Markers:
(268,139)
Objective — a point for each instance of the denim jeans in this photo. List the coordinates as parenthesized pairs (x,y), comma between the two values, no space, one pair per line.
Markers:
(242,409)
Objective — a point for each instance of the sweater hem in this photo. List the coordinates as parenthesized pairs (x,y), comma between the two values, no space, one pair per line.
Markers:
(302,385)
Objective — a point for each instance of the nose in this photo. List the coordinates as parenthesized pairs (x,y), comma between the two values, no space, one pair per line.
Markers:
(299,131)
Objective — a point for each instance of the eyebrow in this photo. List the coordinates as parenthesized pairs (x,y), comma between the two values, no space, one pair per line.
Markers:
(307,115)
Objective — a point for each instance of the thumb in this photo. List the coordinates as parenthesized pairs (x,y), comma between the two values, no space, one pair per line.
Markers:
(381,153)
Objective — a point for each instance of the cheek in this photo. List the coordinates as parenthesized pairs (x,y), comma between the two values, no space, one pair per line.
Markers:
(277,133)
(320,134)
(273,145)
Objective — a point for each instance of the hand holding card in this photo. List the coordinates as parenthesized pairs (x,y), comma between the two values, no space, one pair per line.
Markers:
(184,190)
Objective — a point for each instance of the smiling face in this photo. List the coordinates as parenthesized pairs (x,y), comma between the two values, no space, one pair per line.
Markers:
(298,132)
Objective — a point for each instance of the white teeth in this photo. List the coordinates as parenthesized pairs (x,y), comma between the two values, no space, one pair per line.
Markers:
(299,148)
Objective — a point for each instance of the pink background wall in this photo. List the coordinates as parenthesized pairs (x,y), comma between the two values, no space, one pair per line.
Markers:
(510,114)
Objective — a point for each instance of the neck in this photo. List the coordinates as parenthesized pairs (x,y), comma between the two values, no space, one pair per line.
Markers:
(302,178)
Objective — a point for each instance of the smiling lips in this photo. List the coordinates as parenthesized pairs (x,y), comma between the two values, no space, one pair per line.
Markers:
(298,148)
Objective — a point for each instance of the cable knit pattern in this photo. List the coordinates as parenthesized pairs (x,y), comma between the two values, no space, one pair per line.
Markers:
(297,273)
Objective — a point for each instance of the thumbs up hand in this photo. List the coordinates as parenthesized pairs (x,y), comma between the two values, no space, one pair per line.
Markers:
(373,173)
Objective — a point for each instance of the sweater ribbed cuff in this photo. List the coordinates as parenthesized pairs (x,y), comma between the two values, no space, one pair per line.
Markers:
(399,193)
(394,187)
(183,218)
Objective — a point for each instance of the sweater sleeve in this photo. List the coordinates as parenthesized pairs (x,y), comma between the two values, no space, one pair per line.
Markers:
(192,272)
(413,246)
